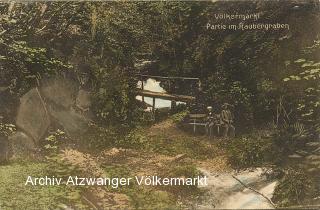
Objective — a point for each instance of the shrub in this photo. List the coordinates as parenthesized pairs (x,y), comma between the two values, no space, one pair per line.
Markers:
(134,139)
(179,117)
(293,188)
(97,137)
(288,141)
(250,151)
(54,140)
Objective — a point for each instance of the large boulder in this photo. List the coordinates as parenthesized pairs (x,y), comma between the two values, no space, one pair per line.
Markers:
(32,116)
(74,123)
(21,145)
(60,91)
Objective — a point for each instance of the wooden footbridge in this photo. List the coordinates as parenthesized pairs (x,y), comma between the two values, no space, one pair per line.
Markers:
(166,96)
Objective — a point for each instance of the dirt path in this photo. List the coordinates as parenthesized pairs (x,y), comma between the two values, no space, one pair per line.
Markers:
(170,144)
(216,159)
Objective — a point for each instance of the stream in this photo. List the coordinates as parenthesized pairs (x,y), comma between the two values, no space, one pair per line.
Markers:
(225,192)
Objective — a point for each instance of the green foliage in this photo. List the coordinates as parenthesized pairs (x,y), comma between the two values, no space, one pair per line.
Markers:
(250,151)
(293,188)
(307,77)
(43,39)
(83,41)
(175,145)
(287,140)
(72,196)
(183,170)
(187,170)
(150,199)
(54,140)
(98,137)
(141,198)
(134,139)
(179,117)
(15,195)
(257,150)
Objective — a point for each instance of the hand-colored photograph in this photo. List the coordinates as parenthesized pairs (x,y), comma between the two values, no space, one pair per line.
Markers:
(160,104)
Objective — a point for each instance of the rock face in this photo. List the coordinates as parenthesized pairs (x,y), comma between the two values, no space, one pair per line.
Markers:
(58,101)
(74,124)
(33,117)
(59,91)
(21,144)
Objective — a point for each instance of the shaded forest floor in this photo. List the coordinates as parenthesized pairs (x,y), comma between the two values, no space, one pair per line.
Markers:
(167,152)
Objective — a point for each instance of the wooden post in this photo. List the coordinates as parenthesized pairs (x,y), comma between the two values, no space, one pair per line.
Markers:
(154,108)
(153,104)
(173,104)
(142,88)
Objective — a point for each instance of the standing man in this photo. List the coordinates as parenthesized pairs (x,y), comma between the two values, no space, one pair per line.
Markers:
(227,121)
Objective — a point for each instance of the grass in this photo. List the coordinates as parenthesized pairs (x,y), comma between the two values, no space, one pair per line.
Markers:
(157,197)
(167,139)
(250,151)
(14,194)
(140,197)
(194,148)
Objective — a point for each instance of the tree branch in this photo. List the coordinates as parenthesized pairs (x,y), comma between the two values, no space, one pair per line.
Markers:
(250,188)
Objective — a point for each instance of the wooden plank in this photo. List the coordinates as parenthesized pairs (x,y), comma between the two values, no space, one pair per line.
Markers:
(162,77)
(197,116)
(142,88)
(195,123)
(165,96)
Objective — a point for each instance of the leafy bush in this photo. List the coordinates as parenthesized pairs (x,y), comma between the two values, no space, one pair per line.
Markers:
(250,151)
(178,117)
(98,137)
(52,142)
(293,188)
(287,141)
(256,150)
(134,139)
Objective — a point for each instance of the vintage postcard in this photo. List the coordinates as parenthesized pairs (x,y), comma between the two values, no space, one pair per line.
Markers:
(160,104)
